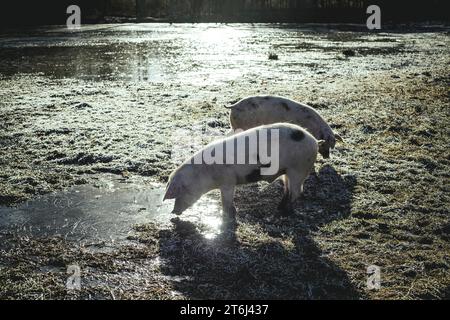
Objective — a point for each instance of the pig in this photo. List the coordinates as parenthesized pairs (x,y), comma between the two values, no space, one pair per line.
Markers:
(262,110)
(293,152)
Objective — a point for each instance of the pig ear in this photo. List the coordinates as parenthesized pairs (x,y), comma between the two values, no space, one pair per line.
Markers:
(174,190)
(338,137)
(321,142)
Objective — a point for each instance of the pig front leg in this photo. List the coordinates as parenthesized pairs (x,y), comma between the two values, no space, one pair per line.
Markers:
(314,174)
(227,194)
(285,205)
(293,184)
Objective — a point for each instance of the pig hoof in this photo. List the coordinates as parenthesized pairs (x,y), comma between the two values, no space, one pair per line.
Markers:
(230,217)
(231,213)
(285,210)
(229,224)
(284,207)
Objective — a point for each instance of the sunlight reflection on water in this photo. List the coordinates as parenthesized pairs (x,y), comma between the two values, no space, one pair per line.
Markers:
(143,52)
(189,54)
(207,214)
(107,211)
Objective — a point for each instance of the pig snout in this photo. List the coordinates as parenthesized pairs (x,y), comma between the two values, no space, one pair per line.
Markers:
(179,207)
(325,152)
(184,202)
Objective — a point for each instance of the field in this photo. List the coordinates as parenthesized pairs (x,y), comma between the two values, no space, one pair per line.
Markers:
(100,105)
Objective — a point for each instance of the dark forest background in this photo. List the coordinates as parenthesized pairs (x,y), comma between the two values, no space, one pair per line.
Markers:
(95,11)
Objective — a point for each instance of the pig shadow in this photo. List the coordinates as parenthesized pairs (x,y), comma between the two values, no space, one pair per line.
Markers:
(271,257)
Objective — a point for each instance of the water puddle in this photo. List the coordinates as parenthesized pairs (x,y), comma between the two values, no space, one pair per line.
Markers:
(106,211)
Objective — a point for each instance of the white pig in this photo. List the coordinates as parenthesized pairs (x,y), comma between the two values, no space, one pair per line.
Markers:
(293,152)
(260,110)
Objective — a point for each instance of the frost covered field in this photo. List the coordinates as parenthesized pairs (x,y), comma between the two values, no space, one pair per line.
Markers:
(86,135)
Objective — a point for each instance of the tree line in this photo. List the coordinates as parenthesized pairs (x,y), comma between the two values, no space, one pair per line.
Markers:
(290,10)
(21,12)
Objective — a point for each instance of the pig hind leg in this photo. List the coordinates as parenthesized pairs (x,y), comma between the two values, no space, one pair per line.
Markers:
(285,204)
(227,194)
(295,181)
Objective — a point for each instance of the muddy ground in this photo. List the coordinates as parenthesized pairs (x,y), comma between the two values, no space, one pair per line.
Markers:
(106,100)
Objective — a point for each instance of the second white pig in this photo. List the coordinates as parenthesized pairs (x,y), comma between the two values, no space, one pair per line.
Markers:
(293,152)
(262,110)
